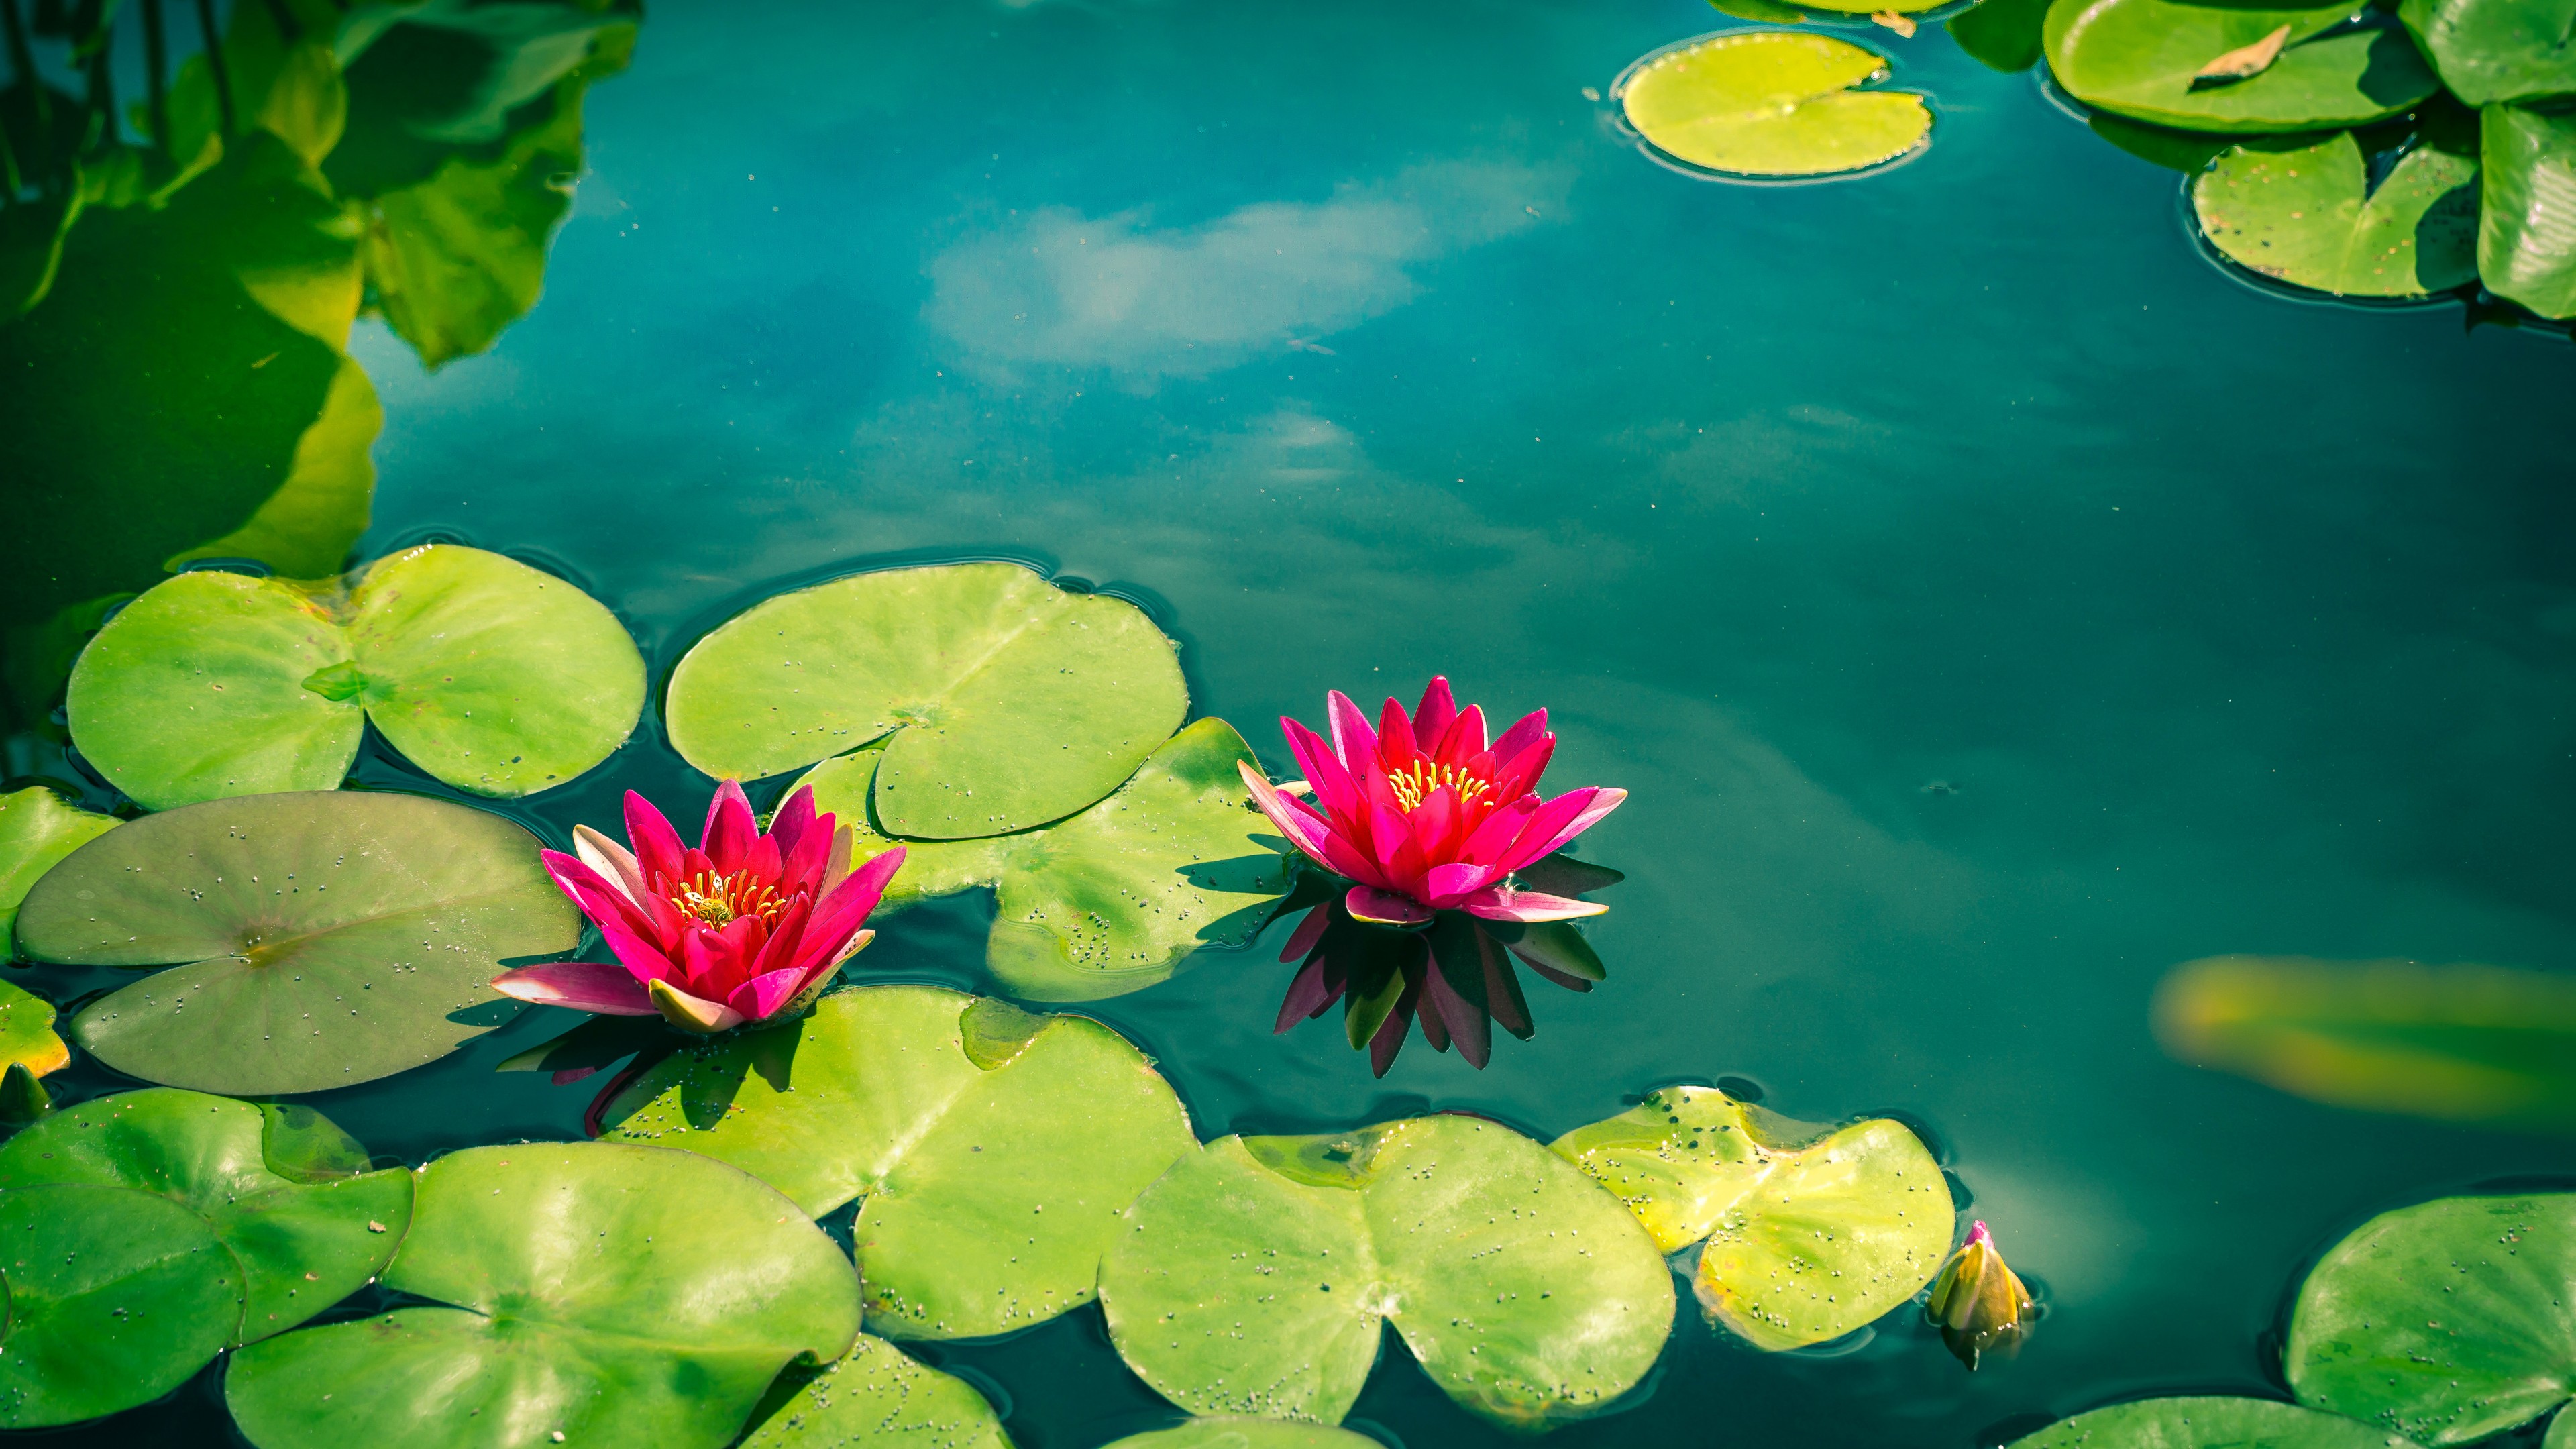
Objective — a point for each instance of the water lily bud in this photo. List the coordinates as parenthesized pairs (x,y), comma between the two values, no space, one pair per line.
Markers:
(1977,1302)
(22,1097)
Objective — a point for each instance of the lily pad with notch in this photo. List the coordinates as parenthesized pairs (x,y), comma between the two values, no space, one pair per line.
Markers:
(1809,1232)
(114,1298)
(2193,67)
(876,1397)
(1772,103)
(331,937)
(586,1293)
(1113,899)
(2527,217)
(989,1149)
(1255,1276)
(2208,1422)
(38,828)
(2305,211)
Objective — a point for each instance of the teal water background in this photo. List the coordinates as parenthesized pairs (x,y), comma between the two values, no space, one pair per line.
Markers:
(1987,603)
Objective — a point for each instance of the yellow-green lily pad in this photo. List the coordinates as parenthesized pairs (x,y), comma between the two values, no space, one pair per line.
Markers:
(1772,103)
(37,829)
(876,1396)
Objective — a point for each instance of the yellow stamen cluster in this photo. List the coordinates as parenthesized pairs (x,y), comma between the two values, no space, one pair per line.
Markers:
(1414,783)
(720,900)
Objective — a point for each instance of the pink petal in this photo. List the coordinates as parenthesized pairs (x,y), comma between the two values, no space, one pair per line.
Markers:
(1308,994)
(1310,930)
(1526,731)
(604,903)
(1470,1028)
(764,860)
(1294,819)
(1464,740)
(1431,717)
(760,997)
(612,862)
(1446,883)
(1498,904)
(1395,746)
(1384,908)
(1353,740)
(786,939)
(643,958)
(1517,774)
(1490,840)
(788,825)
(731,827)
(581,985)
(657,845)
(1324,773)
(802,867)
(1390,1032)
(1556,823)
(839,915)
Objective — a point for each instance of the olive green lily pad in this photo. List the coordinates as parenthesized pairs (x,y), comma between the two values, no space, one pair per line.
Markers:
(489,675)
(2145,58)
(2002,34)
(2497,50)
(2527,217)
(1239,1432)
(2447,1321)
(879,1397)
(604,1294)
(1254,1276)
(1010,702)
(2304,211)
(2208,1423)
(335,937)
(37,829)
(1809,1233)
(2461,1043)
(114,1298)
(1111,900)
(281,1187)
(990,1149)
(1772,103)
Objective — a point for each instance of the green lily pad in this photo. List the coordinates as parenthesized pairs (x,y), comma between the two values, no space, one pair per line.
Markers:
(990,1149)
(1772,103)
(281,1187)
(1253,1277)
(37,829)
(603,1293)
(489,675)
(2447,1321)
(2304,211)
(27,1032)
(1238,1432)
(114,1298)
(2144,59)
(2527,218)
(2208,1423)
(1113,899)
(2459,1043)
(1010,702)
(2003,35)
(2497,50)
(1809,1233)
(336,937)
(880,1397)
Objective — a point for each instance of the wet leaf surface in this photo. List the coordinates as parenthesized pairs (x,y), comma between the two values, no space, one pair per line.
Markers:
(115,1297)
(1773,103)
(2303,211)
(2146,59)
(2497,50)
(879,1397)
(38,828)
(2527,216)
(2208,1423)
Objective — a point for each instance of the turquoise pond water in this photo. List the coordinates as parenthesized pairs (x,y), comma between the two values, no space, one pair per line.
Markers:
(1987,602)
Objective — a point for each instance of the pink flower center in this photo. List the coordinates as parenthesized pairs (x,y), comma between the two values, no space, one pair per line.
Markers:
(1414,783)
(720,900)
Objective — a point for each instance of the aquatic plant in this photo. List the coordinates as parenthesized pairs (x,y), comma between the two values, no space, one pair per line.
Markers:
(1977,1302)
(745,927)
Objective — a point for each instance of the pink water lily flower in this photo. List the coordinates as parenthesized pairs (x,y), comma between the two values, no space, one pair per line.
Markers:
(1426,815)
(745,926)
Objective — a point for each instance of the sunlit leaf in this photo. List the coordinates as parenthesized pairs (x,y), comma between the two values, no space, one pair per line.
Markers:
(2304,211)
(2209,1423)
(114,1298)
(2497,50)
(1239,1432)
(878,1397)
(1773,103)
(37,829)
(2146,59)
(2527,216)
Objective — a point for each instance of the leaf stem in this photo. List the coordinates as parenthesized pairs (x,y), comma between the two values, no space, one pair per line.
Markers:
(215,64)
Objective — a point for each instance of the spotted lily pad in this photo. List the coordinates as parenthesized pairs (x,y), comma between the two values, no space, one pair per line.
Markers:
(1809,1234)
(1239,1432)
(1254,1276)
(1772,103)
(37,829)
(1010,702)
(335,937)
(114,1298)
(2208,1423)
(489,675)
(2304,211)
(879,1397)
(2447,1321)
(990,1149)
(281,1187)
(2146,58)
(1111,900)
(2527,217)
(2497,50)
(603,1294)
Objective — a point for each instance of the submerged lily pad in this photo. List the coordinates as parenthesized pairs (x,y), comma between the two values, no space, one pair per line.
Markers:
(2148,58)
(2208,1423)
(879,1397)
(1239,1432)
(1772,103)
(37,829)
(604,1294)
(1111,900)
(1009,701)
(488,674)
(2003,34)
(281,1187)
(990,1149)
(1809,1234)
(1254,1276)
(2497,50)
(2460,1043)
(336,937)
(2447,1321)
(2527,219)
(2305,212)
(114,1298)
